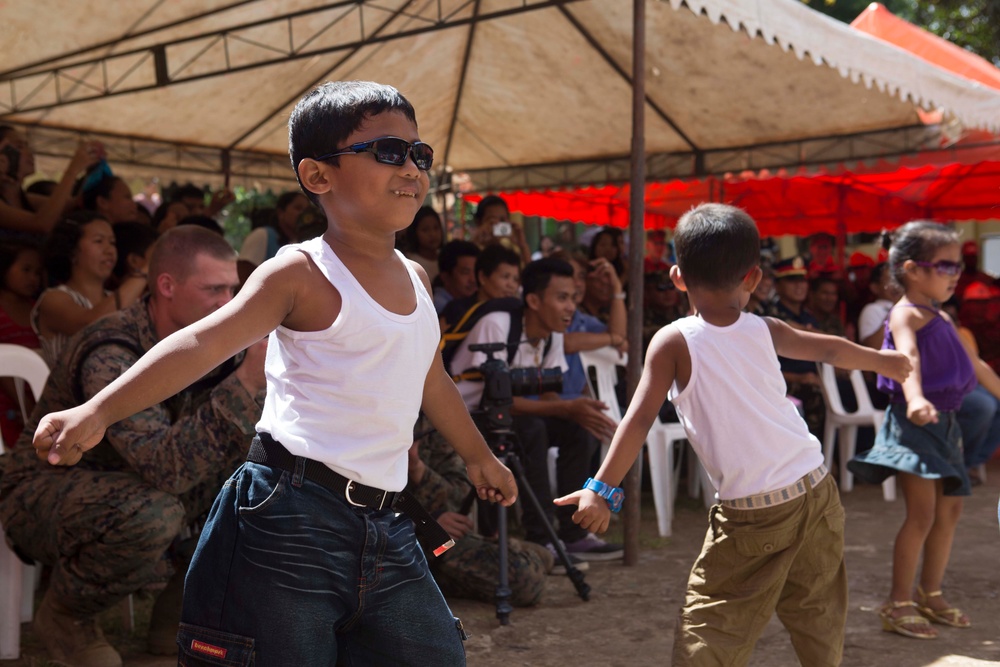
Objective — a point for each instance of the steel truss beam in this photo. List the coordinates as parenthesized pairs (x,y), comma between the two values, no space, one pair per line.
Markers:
(822,152)
(336,26)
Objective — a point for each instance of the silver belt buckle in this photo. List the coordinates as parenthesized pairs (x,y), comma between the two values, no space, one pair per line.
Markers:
(347,494)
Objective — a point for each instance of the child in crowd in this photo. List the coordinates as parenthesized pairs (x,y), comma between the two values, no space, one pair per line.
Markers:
(20,282)
(776,537)
(424,238)
(303,560)
(921,441)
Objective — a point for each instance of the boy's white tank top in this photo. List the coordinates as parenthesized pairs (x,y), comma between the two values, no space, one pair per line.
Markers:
(348,396)
(748,435)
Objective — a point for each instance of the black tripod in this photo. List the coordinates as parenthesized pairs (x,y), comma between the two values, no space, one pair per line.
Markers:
(503,441)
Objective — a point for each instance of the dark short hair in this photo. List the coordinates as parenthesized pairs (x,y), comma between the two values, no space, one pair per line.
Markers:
(329,114)
(178,248)
(187,191)
(410,234)
(286,199)
(9,252)
(716,246)
(132,238)
(538,274)
(918,240)
(102,189)
(62,243)
(493,256)
(452,251)
(488,201)
(204,222)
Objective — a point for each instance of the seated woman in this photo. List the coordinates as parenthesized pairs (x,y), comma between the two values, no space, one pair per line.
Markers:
(80,257)
(609,244)
(32,215)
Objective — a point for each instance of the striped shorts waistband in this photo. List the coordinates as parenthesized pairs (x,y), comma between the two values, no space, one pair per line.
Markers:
(778,496)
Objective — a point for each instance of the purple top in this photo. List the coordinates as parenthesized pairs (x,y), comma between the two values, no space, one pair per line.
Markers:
(947,374)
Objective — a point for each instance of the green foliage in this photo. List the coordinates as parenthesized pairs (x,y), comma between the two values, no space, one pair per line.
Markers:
(237,218)
(971,24)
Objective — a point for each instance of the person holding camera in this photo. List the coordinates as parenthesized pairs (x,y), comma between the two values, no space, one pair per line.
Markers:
(546,420)
(30,214)
(493,225)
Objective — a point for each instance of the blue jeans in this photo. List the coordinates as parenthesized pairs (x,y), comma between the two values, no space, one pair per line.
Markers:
(979,418)
(288,573)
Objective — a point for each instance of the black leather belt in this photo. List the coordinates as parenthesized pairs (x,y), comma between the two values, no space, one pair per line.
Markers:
(267,451)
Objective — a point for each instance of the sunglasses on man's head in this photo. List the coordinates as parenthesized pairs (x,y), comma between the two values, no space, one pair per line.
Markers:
(944,267)
(390,150)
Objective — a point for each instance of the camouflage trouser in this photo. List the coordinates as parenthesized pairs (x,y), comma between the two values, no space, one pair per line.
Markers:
(104,533)
(470,569)
(813,406)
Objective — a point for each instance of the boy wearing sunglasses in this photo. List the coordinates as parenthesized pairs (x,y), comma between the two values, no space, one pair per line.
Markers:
(303,560)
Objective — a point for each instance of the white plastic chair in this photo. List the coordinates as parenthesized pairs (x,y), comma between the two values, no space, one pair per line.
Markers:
(17,580)
(660,442)
(838,420)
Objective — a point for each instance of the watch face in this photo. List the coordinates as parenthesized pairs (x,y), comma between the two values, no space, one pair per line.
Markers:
(616,497)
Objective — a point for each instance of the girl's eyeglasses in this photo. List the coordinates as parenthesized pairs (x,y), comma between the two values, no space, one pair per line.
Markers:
(390,150)
(944,267)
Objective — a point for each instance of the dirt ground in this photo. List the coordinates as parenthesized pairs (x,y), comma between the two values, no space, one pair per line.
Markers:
(629,618)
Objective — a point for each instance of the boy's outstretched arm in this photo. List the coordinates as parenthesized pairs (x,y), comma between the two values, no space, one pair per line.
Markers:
(443,405)
(836,351)
(175,362)
(661,369)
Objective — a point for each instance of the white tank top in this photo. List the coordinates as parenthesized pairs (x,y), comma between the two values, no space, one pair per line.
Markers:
(348,396)
(748,435)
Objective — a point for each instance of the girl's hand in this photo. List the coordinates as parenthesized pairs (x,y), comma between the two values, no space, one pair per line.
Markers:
(593,513)
(920,411)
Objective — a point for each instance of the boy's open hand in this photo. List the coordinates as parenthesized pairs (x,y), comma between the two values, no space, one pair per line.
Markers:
(493,481)
(893,364)
(593,513)
(62,437)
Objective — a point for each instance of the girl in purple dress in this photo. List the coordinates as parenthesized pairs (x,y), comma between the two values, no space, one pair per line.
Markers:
(920,441)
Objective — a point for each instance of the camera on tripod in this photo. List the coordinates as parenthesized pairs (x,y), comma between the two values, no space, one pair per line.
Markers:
(502,383)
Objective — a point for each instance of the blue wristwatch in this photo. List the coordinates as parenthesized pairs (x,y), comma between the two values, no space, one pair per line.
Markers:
(615,495)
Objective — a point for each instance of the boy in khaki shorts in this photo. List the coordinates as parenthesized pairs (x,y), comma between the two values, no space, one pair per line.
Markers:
(775,540)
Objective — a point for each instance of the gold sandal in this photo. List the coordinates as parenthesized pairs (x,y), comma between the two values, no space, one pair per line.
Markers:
(951,616)
(892,624)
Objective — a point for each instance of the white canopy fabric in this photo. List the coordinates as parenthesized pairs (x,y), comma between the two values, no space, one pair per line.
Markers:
(519,93)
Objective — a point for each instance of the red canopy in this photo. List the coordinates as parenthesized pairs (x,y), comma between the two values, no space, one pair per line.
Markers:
(799,204)
(962,183)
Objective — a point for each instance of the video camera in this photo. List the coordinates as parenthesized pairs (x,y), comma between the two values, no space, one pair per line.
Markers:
(502,383)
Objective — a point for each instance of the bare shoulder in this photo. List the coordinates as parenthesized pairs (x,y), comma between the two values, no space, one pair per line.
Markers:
(293,283)
(422,274)
(668,359)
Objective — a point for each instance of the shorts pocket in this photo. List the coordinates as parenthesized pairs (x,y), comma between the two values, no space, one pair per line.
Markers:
(203,646)
(752,543)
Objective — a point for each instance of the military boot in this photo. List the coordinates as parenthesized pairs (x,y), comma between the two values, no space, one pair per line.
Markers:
(72,640)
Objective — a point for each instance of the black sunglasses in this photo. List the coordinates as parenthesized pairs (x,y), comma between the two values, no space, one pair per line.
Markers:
(390,150)
(944,267)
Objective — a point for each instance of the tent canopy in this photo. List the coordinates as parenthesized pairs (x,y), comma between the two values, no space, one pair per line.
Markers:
(518,93)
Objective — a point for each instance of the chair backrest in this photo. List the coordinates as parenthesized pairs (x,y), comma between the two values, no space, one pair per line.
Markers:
(605,361)
(831,393)
(26,367)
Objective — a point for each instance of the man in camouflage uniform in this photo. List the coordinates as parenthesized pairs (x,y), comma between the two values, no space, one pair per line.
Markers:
(107,524)
(471,568)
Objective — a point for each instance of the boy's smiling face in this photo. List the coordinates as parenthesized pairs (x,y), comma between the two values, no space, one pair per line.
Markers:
(381,198)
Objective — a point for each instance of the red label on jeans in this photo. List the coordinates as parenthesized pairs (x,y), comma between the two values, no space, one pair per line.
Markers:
(208,649)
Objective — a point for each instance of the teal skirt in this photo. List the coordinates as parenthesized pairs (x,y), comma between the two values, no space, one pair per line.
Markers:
(933,451)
